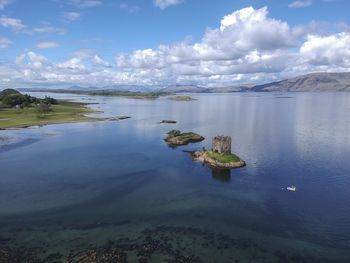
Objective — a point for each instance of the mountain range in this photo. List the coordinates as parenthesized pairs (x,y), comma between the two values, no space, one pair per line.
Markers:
(310,82)
(305,83)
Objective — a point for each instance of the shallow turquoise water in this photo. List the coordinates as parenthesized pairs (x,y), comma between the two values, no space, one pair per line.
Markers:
(69,187)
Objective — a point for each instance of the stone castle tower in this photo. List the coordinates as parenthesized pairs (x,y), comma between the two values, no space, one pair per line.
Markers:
(222,144)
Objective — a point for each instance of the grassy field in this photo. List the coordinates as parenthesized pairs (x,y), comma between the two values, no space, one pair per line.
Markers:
(187,136)
(63,112)
(227,158)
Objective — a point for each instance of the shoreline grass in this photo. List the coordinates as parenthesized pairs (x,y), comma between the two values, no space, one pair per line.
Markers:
(227,158)
(63,112)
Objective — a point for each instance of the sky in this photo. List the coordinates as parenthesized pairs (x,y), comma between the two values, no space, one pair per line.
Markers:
(157,43)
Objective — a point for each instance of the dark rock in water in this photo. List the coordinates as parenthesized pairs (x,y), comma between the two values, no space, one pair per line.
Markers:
(100,256)
(184,259)
(183,138)
(168,121)
(148,248)
(117,118)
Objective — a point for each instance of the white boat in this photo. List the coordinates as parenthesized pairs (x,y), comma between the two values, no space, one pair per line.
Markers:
(291,188)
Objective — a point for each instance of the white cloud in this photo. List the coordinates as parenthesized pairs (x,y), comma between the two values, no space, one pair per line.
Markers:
(329,50)
(85,3)
(4,42)
(44,45)
(248,46)
(3,3)
(298,4)
(245,41)
(70,16)
(13,23)
(58,31)
(84,53)
(74,63)
(162,4)
(99,62)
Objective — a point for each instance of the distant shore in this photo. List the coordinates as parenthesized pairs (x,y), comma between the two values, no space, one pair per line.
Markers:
(128,94)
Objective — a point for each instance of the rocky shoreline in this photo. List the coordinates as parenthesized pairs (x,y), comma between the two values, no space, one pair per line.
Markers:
(176,138)
(204,158)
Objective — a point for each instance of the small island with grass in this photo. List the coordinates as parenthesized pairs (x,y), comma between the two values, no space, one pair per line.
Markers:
(168,121)
(176,138)
(220,155)
(181,98)
(22,111)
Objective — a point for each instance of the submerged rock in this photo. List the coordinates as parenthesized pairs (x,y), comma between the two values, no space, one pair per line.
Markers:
(117,118)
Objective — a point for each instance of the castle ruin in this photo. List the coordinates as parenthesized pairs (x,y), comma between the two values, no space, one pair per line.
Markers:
(222,144)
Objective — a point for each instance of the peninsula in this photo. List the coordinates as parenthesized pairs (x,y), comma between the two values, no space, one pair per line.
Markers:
(176,138)
(22,111)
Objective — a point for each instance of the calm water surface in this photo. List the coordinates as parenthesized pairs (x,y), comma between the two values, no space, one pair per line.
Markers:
(68,188)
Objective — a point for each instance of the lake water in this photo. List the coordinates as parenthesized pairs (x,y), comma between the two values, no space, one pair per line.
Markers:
(71,188)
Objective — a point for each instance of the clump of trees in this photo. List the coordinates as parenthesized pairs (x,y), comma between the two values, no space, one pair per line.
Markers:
(42,109)
(174,133)
(49,100)
(11,98)
(8,92)
(19,99)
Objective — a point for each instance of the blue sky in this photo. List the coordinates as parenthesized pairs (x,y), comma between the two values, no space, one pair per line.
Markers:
(52,43)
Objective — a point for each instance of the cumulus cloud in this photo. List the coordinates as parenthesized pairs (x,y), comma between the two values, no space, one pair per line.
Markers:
(4,42)
(298,4)
(99,62)
(162,4)
(13,23)
(329,50)
(3,3)
(248,46)
(246,42)
(44,45)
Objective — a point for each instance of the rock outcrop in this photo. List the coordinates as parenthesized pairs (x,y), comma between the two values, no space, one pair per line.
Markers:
(183,138)
(206,159)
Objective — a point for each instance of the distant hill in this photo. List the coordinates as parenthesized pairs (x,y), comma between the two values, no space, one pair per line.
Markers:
(184,89)
(310,82)
(82,88)
(229,89)
(9,92)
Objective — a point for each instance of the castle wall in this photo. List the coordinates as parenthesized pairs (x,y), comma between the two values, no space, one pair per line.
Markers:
(222,144)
